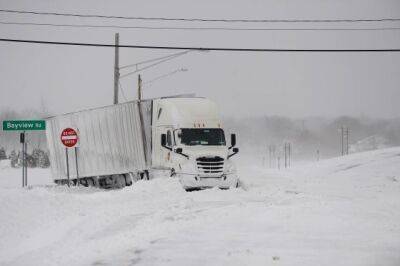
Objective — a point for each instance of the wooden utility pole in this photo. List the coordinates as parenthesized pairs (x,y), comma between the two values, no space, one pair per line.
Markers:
(347,141)
(342,134)
(116,68)
(139,88)
(285,155)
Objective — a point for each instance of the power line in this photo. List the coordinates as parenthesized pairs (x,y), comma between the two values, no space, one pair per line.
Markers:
(202,48)
(192,28)
(149,66)
(155,59)
(198,19)
(165,75)
(122,91)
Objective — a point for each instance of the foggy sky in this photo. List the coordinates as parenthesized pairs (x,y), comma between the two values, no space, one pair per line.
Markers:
(65,79)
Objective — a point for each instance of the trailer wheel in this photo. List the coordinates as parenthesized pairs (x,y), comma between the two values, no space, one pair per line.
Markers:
(147,175)
(90,182)
(128,179)
(119,181)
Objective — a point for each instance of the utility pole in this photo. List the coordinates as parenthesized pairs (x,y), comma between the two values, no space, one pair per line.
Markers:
(279,162)
(139,92)
(116,68)
(342,141)
(285,155)
(347,141)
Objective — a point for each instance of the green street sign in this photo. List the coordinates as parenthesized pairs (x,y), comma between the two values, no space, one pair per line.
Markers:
(24,125)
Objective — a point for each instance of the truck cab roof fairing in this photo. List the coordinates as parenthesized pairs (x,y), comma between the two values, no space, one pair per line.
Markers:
(187,112)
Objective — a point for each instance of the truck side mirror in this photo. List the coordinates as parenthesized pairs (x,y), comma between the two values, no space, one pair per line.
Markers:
(180,151)
(235,151)
(233,141)
(163,140)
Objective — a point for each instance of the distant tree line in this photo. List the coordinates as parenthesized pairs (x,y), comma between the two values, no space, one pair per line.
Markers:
(38,158)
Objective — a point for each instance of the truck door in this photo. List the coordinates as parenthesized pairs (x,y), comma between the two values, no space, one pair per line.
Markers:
(163,155)
(170,144)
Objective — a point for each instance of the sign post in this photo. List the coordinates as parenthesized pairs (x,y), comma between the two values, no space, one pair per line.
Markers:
(66,156)
(76,164)
(69,138)
(22,141)
(24,125)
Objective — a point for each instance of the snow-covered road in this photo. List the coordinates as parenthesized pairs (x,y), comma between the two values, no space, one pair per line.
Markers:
(342,211)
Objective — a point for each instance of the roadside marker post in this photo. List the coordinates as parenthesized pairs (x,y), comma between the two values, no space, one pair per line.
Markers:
(24,125)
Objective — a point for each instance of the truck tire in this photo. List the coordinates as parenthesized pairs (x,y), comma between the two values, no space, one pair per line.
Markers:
(146,174)
(90,182)
(173,173)
(128,180)
(119,181)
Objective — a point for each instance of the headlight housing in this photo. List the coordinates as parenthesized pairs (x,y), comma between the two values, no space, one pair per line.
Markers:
(230,167)
(188,167)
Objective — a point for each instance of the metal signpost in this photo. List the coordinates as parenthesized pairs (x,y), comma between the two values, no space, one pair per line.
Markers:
(69,138)
(24,125)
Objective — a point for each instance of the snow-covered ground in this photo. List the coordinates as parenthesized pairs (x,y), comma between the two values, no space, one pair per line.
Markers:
(342,211)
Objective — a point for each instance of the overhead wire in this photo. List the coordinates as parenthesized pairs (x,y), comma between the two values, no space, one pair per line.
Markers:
(193,28)
(163,76)
(122,91)
(156,47)
(198,19)
(155,59)
(149,66)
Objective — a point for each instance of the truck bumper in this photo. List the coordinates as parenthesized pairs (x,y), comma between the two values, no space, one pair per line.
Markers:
(195,182)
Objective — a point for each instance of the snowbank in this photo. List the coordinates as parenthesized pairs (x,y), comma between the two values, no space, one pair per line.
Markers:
(342,211)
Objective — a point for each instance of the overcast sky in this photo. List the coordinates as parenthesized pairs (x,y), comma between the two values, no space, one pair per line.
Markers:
(297,85)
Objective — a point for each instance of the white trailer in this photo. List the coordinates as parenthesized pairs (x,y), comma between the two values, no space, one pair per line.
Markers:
(121,143)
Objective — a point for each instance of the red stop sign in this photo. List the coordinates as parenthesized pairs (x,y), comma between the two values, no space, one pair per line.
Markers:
(69,137)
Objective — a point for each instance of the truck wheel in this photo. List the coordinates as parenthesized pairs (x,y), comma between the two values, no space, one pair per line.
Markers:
(119,181)
(147,175)
(172,172)
(128,179)
(237,184)
(90,182)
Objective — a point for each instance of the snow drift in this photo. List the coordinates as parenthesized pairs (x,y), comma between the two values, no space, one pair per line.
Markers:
(342,211)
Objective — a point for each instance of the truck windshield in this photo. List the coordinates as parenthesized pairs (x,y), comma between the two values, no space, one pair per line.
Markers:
(202,136)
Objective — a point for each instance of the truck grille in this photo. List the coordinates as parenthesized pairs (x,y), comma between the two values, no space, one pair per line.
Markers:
(210,165)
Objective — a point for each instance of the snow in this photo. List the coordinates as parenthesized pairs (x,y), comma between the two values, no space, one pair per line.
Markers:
(341,211)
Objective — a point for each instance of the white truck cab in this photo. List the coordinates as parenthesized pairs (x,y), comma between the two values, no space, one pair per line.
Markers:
(189,141)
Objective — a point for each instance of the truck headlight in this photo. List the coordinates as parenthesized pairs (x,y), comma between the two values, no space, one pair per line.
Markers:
(230,167)
(188,167)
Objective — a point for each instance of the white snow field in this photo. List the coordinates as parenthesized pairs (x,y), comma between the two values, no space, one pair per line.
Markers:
(341,211)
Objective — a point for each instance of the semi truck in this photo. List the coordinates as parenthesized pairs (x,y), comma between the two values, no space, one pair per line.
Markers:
(120,144)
